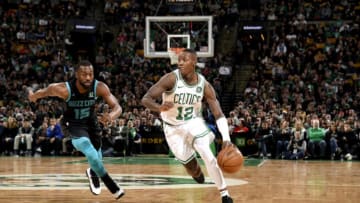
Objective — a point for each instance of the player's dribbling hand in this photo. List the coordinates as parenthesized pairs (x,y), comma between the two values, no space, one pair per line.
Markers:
(166,106)
(227,144)
(105,119)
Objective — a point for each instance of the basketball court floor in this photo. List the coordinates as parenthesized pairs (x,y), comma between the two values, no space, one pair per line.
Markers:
(160,179)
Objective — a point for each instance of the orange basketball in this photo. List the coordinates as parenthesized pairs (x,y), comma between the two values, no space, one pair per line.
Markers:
(230,159)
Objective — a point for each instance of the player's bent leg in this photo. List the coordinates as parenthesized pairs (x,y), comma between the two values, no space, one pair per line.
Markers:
(193,169)
(202,146)
(84,145)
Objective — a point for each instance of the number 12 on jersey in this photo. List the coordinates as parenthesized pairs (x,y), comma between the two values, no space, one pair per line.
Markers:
(184,113)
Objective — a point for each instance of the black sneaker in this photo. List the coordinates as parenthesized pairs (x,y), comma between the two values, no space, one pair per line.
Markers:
(94,182)
(119,194)
(227,199)
(200,179)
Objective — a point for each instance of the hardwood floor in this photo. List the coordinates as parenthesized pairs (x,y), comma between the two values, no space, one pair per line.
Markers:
(162,179)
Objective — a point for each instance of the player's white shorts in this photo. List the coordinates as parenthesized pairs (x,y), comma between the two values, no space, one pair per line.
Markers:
(180,138)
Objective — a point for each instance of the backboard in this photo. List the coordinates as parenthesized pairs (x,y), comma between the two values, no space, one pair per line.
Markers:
(165,32)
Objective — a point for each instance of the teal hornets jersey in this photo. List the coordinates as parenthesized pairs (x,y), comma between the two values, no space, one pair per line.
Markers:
(80,108)
(187,100)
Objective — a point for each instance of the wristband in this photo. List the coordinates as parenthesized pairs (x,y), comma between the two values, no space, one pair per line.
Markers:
(223,127)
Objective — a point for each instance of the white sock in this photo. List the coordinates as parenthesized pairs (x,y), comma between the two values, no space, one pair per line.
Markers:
(224,193)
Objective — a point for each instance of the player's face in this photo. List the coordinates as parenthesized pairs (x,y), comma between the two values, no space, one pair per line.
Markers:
(186,63)
(85,76)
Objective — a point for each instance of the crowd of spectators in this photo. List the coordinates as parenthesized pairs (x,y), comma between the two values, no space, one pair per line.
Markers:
(305,82)
(303,10)
(306,74)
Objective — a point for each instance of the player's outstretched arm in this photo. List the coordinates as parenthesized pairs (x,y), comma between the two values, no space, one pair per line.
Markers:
(165,83)
(53,90)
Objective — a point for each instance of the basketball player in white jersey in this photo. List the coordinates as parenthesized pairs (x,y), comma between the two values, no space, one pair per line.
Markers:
(186,132)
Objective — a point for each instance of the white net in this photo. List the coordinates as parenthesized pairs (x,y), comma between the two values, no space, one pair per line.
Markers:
(174,55)
(174,58)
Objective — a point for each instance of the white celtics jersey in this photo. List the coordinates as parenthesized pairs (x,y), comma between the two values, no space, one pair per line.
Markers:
(187,100)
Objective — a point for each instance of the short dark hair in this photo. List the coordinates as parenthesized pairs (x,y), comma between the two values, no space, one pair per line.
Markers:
(191,51)
(83,63)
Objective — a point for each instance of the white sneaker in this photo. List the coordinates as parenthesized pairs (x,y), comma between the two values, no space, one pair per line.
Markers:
(119,194)
(348,157)
(94,182)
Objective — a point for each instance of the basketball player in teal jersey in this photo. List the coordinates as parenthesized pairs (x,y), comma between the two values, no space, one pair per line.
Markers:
(183,92)
(81,120)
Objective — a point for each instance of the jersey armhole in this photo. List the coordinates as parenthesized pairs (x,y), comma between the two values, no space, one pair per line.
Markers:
(69,91)
(203,83)
(175,84)
(95,86)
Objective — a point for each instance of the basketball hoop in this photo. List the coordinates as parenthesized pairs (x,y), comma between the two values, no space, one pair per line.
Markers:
(174,54)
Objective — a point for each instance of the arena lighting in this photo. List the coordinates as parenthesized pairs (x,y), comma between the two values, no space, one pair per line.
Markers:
(180,1)
(85,27)
(225,70)
(252,27)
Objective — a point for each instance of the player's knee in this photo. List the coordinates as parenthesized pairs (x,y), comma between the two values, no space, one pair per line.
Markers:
(213,162)
(207,156)
(209,161)
(92,157)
